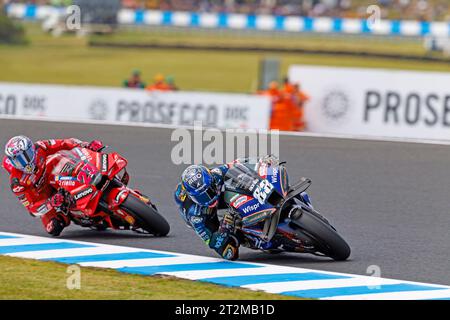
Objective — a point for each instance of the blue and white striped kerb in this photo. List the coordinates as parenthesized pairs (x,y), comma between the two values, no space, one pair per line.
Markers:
(253,22)
(298,282)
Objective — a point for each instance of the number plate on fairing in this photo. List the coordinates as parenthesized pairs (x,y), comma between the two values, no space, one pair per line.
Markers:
(262,191)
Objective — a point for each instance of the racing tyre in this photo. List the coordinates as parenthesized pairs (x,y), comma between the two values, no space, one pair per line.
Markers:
(323,235)
(147,218)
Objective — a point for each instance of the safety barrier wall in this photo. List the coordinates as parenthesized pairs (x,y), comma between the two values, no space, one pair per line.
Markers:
(253,22)
(376,102)
(122,105)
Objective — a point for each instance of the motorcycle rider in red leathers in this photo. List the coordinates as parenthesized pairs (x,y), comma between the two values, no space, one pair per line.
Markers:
(25,162)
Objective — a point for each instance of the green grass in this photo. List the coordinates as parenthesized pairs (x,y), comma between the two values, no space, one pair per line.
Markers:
(68,60)
(32,279)
(267,40)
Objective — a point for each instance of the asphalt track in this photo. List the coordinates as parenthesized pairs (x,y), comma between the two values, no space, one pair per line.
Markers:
(389,200)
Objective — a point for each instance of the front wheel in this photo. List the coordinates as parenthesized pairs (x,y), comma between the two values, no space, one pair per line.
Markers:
(146,217)
(325,238)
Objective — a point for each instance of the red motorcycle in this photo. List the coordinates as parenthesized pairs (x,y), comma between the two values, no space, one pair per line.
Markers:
(95,187)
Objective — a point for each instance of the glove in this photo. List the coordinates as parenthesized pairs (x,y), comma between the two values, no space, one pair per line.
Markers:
(227,224)
(225,244)
(61,200)
(58,200)
(55,227)
(95,145)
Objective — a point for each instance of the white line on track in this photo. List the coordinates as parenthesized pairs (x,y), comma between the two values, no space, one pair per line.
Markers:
(150,262)
(277,287)
(74,252)
(206,274)
(409,295)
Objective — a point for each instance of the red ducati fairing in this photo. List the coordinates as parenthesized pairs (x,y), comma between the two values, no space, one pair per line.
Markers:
(100,197)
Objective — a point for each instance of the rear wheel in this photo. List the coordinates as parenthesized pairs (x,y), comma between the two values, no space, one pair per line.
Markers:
(146,217)
(324,236)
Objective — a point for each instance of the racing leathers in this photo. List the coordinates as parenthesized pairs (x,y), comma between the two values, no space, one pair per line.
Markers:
(35,192)
(217,235)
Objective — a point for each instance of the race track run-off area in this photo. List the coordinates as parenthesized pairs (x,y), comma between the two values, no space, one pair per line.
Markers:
(389,200)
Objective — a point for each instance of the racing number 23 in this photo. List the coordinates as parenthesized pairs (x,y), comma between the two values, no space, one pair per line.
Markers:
(263,191)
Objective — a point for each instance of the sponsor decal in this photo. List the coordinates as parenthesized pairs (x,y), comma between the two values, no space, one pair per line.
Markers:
(240,201)
(274,178)
(105,163)
(253,184)
(80,154)
(67,183)
(98,110)
(167,112)
(18,189)
(196,220)
(204,235)
(15,186)
(8,104)
(65,178)
(335,105)
(120,196)
(43,209)
(83,193)
(262,191)
(34,105)
(262,171)
(25,202)
(411,108)
(257,216)
(86,155)
(251,208)
(194,178)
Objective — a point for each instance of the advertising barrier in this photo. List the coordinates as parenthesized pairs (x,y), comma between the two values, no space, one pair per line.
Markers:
(135,105)
(376,102)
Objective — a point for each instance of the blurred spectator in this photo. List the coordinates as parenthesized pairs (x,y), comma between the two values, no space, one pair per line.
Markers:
(134,81)
(429,10)
(170,81)
(159,84)
(394,9)
(300,98)
(287,105)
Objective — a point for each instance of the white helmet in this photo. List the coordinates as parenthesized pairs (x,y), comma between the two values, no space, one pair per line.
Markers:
(21,152)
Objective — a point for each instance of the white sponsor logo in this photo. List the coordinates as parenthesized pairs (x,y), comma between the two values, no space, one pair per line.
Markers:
(105,163)
(83,194)
(251,208)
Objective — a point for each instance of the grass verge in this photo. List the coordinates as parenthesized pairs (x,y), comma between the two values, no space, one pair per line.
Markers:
(32,279)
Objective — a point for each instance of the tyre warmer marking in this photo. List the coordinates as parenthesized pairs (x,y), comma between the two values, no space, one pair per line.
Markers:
(291,281)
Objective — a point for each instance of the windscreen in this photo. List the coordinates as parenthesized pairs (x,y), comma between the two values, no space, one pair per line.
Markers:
(242,177)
